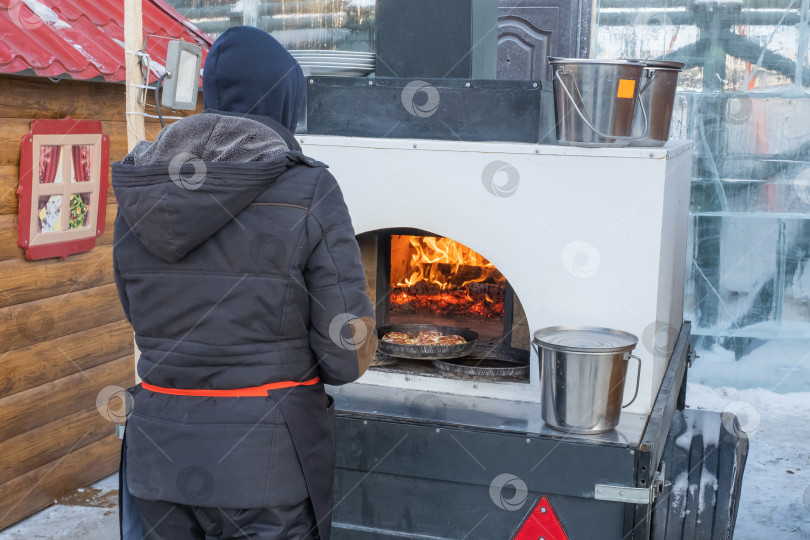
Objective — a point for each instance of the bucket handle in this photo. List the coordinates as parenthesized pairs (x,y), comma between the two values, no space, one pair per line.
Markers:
(587,121)
(638,380)
(536,347)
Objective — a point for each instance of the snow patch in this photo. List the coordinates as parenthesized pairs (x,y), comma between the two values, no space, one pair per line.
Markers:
(678,492)
(710,430)
(781,365)
(156,68)
(716,355)
(801,282)
(771,504)
(708,481)
(47,15)
(684,440)
(705,425)
(62,522)
(79,49)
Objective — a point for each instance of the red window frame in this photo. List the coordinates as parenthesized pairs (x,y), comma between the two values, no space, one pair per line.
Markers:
(65,240)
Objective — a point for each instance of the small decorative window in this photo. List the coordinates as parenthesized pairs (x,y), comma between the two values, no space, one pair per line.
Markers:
(64,169)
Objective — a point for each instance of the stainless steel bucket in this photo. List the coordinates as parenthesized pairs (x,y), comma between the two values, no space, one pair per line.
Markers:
(583,373)
(657,101)
(595,100)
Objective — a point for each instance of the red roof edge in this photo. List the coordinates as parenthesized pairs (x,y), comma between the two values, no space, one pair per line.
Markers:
(173,13)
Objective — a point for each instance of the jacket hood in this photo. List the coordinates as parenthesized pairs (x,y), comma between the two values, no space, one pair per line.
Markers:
(247,71)
(200,172)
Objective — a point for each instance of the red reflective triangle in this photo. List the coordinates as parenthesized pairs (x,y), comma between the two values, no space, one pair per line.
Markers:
(542,522)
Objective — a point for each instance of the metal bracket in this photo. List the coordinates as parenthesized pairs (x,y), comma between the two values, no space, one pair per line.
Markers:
(119,430)
(633,495)
(691,356)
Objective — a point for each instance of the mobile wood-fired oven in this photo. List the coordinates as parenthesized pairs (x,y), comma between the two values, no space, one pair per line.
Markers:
(506,239)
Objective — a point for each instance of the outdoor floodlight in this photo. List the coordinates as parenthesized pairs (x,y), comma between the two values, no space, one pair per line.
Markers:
(183,61)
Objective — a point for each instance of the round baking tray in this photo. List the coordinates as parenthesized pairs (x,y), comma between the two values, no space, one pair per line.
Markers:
(483,367)
(426,352)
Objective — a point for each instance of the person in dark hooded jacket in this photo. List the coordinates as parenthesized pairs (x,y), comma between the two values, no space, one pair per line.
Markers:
(237,265)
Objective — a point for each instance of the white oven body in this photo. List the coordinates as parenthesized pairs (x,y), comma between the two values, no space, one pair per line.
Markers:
(585,236)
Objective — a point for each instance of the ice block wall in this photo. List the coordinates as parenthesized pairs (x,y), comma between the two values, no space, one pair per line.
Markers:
(743,98)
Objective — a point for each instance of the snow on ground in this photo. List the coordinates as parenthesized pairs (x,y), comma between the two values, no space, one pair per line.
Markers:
(775,501)
(781,365)
(72,519)
(61,522)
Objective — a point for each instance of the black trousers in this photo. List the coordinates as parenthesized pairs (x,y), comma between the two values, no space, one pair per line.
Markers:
(164,520)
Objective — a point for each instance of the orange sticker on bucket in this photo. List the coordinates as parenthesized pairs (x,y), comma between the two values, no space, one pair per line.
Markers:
(627,88)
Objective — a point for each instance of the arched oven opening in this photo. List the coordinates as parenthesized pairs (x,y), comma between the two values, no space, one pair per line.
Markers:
(418,277)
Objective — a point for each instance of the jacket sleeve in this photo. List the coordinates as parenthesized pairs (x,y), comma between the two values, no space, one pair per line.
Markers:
(342,330)
(119,283)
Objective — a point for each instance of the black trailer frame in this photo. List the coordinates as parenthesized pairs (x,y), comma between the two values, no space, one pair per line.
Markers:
(426,465)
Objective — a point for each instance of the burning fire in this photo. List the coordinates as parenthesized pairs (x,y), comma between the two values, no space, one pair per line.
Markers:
(458,304)
(442,261)
(444,277)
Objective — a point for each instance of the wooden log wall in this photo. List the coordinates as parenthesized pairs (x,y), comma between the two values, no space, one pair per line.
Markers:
(63,335)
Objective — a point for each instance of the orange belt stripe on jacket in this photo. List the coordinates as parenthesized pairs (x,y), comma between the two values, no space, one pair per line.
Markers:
(253,391)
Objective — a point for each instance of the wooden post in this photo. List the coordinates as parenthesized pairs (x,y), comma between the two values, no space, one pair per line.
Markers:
(136,130)
(133,42)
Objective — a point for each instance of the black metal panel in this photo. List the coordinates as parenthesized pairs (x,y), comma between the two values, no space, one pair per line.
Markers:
(708,469)
(382,307)
(658,429)
(402,507)
(666,401)
(408,479)
(419,477)
(438,453)
(508,316)
(437,38)
(450,109)
(443,410)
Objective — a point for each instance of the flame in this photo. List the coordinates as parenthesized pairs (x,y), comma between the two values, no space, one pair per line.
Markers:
(429,252)
(452,279)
